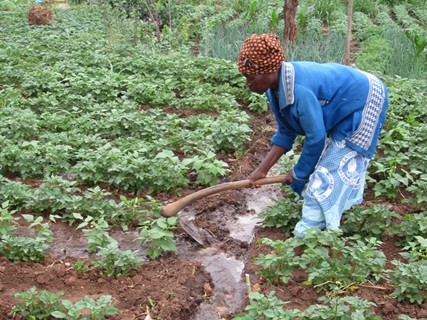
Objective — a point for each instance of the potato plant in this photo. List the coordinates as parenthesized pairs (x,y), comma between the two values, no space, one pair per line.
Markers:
(34,304)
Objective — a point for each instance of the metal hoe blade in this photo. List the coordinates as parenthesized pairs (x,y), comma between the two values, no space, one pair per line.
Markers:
(202,236)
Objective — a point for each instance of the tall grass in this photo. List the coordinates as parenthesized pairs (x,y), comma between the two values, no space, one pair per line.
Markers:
(319,48)
(402,56)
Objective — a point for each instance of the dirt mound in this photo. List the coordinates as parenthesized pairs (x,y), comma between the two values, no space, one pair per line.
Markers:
(39,15)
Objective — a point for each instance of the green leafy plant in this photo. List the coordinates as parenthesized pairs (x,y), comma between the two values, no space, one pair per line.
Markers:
(266,307)
(7,220)
(419,41)
(365,222)
(81,266)
(207,168)
(37,305)
(368,57)
(410,281)
(342,308)
(284,214)
(115,262)
(17,248)
(87,308)
(158,236)
(411,226)
(415,250)
(97,236)
(15,193)
(331,261)
(280,265)
(333,307)
(46,305)
(257,103)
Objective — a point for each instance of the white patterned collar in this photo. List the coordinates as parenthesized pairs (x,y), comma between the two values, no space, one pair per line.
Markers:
(288,82)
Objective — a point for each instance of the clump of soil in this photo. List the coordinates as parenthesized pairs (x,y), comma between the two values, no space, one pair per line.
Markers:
(39,15)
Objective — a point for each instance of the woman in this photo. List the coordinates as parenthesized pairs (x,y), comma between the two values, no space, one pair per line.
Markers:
(339,110)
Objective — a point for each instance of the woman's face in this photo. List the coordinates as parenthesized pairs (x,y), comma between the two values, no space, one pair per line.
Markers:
(259,83)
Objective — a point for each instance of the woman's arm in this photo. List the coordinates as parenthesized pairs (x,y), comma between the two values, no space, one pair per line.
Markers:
(271,158)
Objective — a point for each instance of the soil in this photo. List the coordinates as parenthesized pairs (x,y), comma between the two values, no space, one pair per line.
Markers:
(174,288)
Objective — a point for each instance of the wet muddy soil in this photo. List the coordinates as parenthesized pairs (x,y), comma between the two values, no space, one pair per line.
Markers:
(196,282)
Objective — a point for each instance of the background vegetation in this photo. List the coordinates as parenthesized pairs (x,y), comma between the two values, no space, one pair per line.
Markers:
(145,97)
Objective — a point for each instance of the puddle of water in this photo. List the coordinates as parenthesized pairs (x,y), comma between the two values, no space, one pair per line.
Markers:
(225,270)
(228,291)
(68,242)
(243,228)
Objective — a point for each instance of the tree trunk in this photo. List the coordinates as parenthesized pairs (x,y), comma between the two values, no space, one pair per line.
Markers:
(290,30)
(349,34)
(154,16)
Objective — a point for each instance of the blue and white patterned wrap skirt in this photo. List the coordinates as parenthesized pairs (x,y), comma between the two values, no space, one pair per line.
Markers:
(336,184)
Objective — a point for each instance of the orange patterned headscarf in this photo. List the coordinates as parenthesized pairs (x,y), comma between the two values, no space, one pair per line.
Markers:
(260,54)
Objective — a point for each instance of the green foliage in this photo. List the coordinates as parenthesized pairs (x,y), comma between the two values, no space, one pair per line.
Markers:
(410,281)
(280,265)
(266,307)
(415,250)
(229,132)
(37,305)
(374,55)
(411,226)
(332,307)
(59,196)
(364,26)
(368,7)
(401,166)
(81,266)
(84,108)
(365,222)
(88,308)
(327,10)
(401,58)
(17,248)
(419,41)
(132,169)
(97,235)
(115,262)
(335,262)
(342,308)
(283,215)
(45,305)
(158,235)
(330,260)
(207,168)
(7,221)
(316,46)
(96,98)
(257,103)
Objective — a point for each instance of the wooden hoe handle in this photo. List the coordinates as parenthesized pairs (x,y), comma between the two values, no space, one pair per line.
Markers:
(173,208)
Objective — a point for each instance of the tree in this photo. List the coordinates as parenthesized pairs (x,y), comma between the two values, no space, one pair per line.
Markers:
(348,38)
(290,30)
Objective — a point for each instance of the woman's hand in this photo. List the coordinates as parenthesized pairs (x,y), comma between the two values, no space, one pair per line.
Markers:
(271,158)
(256,175)
(289,177)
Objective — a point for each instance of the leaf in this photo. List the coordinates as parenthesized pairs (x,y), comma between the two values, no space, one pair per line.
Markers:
(77,215)
(161,223)
(58,314)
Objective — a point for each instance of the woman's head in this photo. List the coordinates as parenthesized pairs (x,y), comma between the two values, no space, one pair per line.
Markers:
(259,60)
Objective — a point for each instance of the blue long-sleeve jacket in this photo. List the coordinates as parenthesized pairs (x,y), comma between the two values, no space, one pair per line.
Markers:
(319,100)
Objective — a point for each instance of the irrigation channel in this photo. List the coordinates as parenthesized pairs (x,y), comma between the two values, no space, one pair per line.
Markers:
(225,266)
